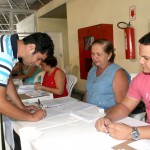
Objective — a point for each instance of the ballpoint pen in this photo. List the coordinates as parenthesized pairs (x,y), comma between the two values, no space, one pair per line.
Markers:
(40,105)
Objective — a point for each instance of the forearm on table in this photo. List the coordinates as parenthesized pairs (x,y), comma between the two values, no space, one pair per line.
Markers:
(53,90)
(117,112)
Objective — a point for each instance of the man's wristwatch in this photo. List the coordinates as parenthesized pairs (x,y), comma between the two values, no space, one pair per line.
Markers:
(135,134)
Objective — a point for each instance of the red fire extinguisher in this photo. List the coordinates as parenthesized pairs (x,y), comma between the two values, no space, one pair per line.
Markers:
(129,40)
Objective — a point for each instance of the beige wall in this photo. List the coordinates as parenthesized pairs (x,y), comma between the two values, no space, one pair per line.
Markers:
(84,13)
(56,25)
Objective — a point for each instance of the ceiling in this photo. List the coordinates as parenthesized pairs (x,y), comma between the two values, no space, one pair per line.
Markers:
(13,11)
(59,12)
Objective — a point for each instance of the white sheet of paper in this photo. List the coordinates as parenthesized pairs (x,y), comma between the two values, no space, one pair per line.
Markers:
(24,88)
(48,122)
(141,144)
(89,114)
(58,102)
(133,122)
(36,93)
(72,106)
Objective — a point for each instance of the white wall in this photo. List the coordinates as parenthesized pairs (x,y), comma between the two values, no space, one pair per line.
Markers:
(28,25)
(83,13)
(59,26)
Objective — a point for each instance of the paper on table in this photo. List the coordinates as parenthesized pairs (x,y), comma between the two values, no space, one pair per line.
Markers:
(89,114)
(36,93)
(73,106)
(141,144)
(24,88)
(133,122)
(58,102)
(47,122)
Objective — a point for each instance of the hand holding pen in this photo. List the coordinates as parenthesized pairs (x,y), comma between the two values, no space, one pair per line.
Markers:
(102,125)
(41,106)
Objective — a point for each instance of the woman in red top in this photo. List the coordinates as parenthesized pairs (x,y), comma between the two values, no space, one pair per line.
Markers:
(54,80)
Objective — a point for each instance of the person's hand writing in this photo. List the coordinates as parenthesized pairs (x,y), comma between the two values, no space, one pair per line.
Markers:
(119,131)
(102,124)
(31,108)
(39,114)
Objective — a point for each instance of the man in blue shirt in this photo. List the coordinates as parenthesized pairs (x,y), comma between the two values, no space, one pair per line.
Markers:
(32,50)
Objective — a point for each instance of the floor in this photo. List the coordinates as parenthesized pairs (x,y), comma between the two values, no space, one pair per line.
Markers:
(77,94)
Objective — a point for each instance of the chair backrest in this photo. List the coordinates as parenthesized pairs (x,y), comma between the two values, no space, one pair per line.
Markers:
(39,75)
(71,81)
(67,69)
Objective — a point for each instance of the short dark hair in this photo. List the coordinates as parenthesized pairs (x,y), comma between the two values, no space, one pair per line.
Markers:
(108,47)
(51,61)
(43,42)
(145,40)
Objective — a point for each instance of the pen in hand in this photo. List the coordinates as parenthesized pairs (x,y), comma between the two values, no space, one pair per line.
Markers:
(40,105)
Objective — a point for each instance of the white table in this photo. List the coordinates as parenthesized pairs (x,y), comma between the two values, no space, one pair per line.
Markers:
(63,130)
(7,126)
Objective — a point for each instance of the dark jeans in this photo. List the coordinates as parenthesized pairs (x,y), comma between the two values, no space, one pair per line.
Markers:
(16,137)
(17,141)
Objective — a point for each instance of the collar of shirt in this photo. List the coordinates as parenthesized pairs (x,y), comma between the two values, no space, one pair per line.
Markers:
(14,39)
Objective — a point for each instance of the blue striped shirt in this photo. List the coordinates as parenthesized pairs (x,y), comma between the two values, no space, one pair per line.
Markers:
(8,56)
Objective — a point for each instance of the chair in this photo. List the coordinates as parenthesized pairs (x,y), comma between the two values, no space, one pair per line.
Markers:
(71,81)
(67,69)
(39,75)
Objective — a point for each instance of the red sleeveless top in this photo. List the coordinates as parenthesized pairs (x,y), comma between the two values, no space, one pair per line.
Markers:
(49,81)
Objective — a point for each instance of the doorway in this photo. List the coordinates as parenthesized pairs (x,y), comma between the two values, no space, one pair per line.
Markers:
(58,47)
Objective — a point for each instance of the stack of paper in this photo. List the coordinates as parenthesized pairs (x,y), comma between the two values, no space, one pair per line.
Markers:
(36,93)
(24,88)
(89,114)
(58,102)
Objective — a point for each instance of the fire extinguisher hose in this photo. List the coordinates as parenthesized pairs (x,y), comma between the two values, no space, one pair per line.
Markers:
(123,25)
